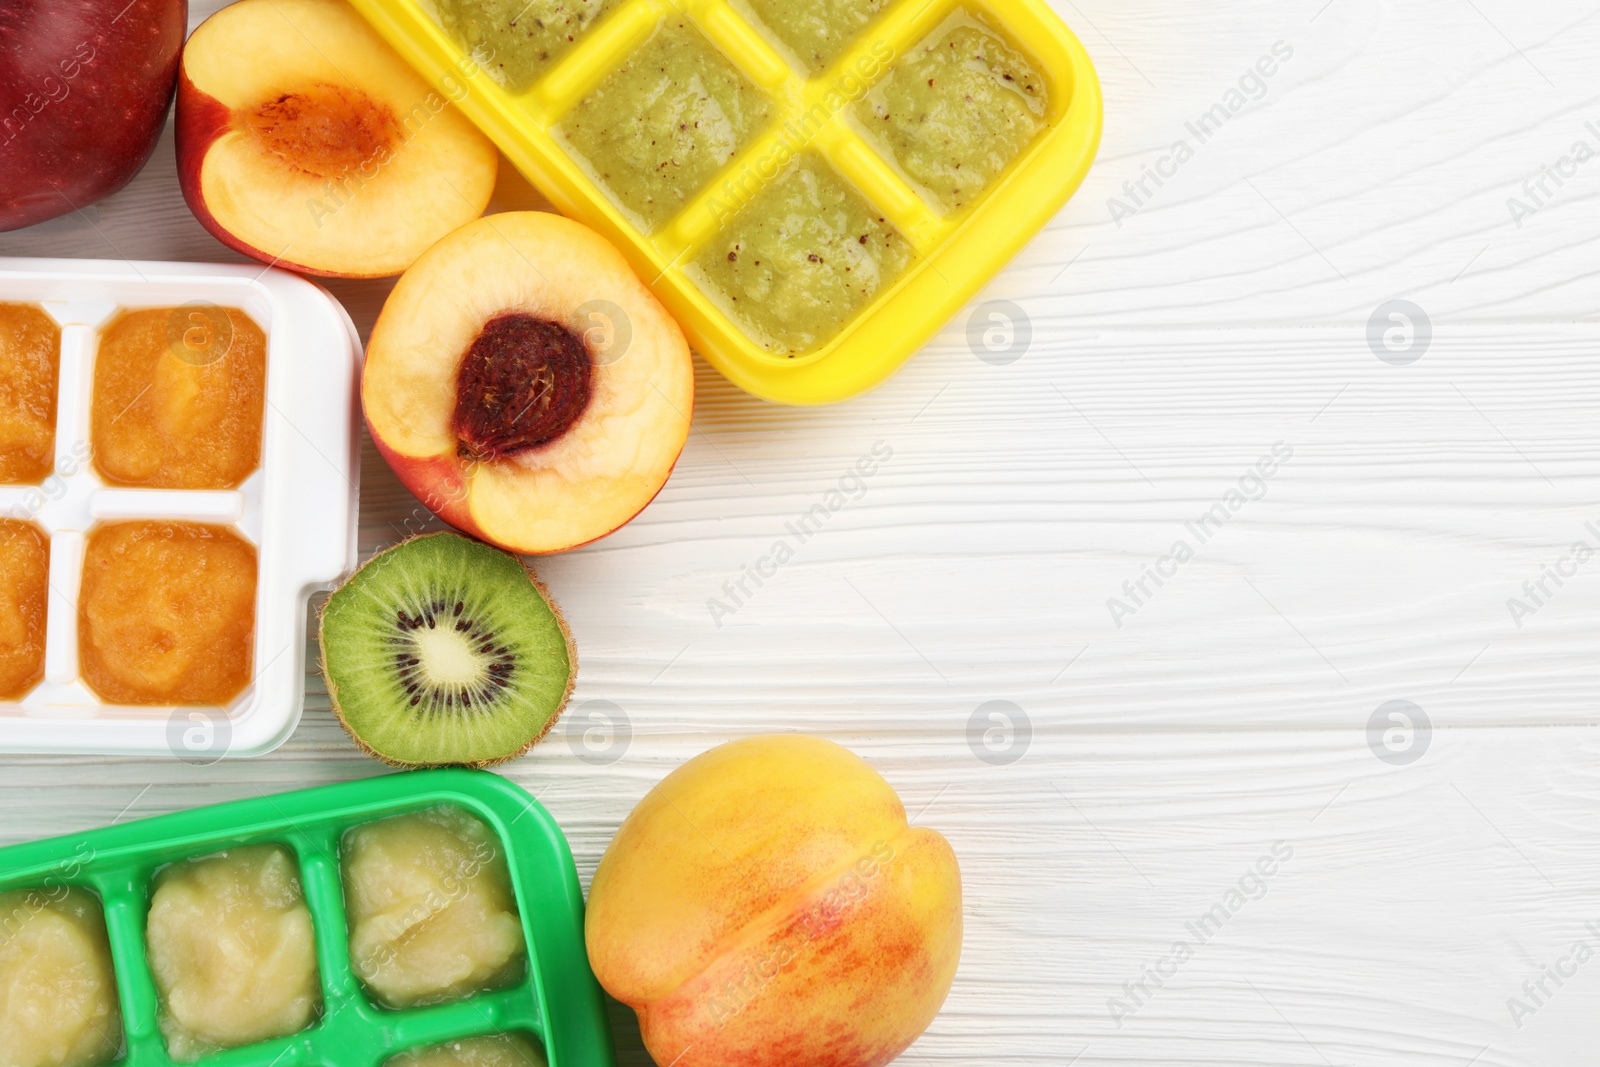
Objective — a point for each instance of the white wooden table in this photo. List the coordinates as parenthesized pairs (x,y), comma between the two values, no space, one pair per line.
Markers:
(1418,879)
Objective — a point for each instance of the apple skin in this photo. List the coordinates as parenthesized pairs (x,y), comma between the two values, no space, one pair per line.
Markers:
(84,89)
(766,905)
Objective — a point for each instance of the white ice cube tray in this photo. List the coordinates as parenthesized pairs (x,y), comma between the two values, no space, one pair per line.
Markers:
(298,508)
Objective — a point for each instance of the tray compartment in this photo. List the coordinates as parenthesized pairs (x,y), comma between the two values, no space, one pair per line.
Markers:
(297,508)
(118,863)
(957,252)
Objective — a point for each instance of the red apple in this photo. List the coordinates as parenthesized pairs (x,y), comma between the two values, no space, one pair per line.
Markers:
(304,140)
(84,88)
(526,386)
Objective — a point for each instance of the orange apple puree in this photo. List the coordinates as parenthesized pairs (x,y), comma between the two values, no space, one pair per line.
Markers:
(167,613)
(24,587)
(178,398)
(30,359)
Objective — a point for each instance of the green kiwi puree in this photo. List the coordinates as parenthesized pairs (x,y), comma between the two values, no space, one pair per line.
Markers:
(796,264)
(656,129)
(518,41)
(797,257)
(955,111)
(816,31)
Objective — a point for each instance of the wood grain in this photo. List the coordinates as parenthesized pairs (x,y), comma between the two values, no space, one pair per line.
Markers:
(1231,711)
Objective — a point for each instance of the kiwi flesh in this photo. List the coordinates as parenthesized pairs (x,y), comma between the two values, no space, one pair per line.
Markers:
(444,651)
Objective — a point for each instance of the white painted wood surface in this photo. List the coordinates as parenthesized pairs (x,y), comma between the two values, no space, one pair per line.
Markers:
(1230,712)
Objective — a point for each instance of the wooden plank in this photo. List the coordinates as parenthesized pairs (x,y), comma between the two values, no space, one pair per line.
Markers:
(1233,709)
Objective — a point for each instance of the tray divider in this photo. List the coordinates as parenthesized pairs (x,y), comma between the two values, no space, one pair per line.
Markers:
(125,894)
(477,1016)
(218,507)
(74,390)
(317,850)
(742,44)
(738,183)
(346,1016)
(597,55)
(904,26)
(61,618)
(867,170)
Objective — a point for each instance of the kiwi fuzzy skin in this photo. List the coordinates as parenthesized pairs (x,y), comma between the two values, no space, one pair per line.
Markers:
(555,609)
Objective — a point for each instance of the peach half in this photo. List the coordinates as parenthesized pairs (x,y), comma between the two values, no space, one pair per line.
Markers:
(526,386)
(304,140)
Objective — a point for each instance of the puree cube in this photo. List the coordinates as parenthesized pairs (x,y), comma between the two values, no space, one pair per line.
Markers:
(517,41)
(24,591)
(58,995)
(30,357)
(659,126)
(179,398)
(955,111)
(816,31)
(166,613)
(801,259)
(432,914)
(231,950)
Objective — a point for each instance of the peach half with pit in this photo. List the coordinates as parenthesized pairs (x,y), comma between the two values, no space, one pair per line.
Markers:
(526,386)
(305,141)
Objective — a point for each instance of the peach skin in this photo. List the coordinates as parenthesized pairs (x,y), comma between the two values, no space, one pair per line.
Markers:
(767,904)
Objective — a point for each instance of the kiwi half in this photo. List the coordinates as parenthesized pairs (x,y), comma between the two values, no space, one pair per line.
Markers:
(444,651)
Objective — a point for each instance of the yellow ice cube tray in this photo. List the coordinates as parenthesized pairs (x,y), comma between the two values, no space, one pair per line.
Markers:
(953,252)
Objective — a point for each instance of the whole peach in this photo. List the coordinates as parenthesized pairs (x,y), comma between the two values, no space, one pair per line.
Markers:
(767,905)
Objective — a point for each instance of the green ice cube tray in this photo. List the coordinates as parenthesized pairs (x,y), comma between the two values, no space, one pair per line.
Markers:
(558,1001)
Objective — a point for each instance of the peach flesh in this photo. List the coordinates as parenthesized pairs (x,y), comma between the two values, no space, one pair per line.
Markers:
(609,462)
(324,130)
(522,384)
(389,166)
